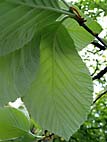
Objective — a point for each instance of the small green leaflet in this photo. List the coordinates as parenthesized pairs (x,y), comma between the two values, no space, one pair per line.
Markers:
(80,36)
(61,94)
(13,124)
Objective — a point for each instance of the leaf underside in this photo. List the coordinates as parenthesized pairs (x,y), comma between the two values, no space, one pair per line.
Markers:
(20,21)
(20,27)
(17,71)
(61,94)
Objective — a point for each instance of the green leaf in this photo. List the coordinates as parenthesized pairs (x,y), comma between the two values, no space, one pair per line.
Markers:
(36,3)
(13,124)
(17,71)
(80,36)
(25,138)
(93,25)
(19,21)
(61,95)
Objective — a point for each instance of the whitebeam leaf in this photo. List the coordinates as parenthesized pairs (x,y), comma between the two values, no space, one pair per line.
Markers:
(37,3)
(19,21)
(80,36)
(13,124)
(60,97)
(17,71)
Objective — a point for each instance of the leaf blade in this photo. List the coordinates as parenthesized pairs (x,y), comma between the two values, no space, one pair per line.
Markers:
(19,23)
(80,36)
(62,86)
(13,123)
(18,70)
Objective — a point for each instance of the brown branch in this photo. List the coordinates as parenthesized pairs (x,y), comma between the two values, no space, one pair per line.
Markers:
(65,3)
(92,33)
(101,127)
(82,21)
(100,74)
(95,68)
(98,97)
(101,47)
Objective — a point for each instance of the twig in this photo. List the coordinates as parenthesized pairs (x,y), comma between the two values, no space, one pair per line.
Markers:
(101,127)
(101,41)
(94,34)
(82,21)
(100,74)
(95,68)
(101,47)
(98,97)
(65,3)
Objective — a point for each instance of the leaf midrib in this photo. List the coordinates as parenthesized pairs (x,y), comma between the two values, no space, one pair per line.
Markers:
(53,72)
(60,11)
